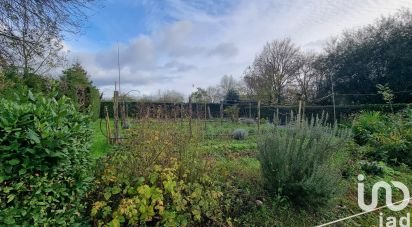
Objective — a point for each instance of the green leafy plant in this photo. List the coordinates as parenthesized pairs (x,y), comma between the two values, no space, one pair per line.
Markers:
(302,161)
(366,124)
(373,168)
(163,198)
(389,138)
(155,178)
(386,93)
(45,161)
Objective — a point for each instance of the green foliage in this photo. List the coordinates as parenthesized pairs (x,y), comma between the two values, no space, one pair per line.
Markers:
(372,168)
(45,160)
(156,178)
(233,112)
(239,134)
(13,82)
(365,125)
(389,138)
(76,85)
(363,58)
(199,96)
(162,198)
(38,83)
(386,93)
(232,96)
(302,161)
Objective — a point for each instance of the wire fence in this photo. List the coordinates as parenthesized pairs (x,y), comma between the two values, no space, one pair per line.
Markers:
(246,109)
(243,114)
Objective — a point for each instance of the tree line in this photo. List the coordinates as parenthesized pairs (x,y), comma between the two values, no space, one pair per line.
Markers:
(354,68)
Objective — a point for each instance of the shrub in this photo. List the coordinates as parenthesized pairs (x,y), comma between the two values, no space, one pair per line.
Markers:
(233,112)
(161,198)
(45,159)
(393,147)
(389,138)
(366,124)
(155,178)
(239,134)
(302,161)
(372,168)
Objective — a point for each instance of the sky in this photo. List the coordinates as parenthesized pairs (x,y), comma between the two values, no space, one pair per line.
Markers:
(182,44)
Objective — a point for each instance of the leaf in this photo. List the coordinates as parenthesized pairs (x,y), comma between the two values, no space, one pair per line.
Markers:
(116,190)
(107,195)
(22,171)
(31,96)
(32,135)
(10,198)
(14,162)
(9,220)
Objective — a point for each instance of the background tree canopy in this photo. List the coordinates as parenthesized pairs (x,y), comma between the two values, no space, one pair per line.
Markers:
(360,60)
(354,63)
(31,31)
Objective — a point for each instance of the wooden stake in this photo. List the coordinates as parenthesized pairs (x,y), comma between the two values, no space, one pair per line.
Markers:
(299,113)
(277,116)
(221,112)
(258,113)
(250,110)
(190,116)
(116,117)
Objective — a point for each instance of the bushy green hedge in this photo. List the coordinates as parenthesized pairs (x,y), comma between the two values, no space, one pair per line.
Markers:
(44,159)
(302,162)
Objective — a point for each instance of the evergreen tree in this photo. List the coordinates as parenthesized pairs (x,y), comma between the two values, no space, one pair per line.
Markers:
(76,84)
(232,96)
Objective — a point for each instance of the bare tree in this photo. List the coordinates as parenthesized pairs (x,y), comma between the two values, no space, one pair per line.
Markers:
(306,78)
(272,70)
(171,96)
(214,94)
(227,83)
(31,31)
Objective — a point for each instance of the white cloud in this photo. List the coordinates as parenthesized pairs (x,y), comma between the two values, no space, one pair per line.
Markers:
(203,40)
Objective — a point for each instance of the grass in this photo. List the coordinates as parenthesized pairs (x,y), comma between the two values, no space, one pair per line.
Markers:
(99,146)
(236,161)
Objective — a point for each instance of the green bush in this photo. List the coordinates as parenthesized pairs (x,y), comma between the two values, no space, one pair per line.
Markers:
(156,178)
(45,159)
(239,134)
(366,124)
(389,138)
(302,161)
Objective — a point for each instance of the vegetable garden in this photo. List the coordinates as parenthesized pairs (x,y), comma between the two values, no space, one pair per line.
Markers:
(180,172)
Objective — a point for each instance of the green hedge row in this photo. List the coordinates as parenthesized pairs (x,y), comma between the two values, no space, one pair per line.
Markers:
(44,171)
